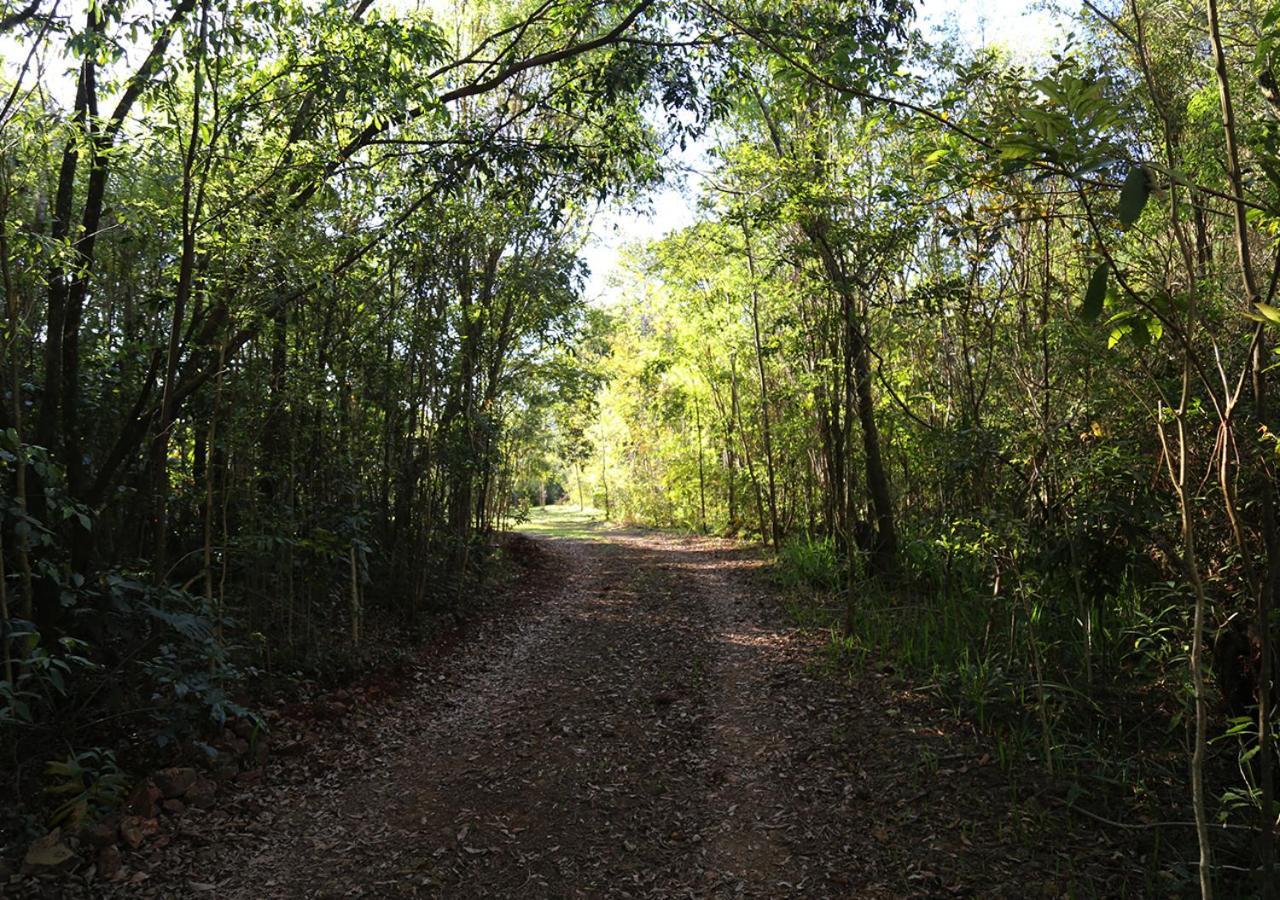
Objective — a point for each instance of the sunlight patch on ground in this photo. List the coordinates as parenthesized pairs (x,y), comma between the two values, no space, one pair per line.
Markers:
(564,521)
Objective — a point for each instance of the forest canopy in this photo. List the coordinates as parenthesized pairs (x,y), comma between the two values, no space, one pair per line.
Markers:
(979,344)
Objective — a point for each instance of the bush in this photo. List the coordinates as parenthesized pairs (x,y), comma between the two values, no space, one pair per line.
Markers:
(806,563)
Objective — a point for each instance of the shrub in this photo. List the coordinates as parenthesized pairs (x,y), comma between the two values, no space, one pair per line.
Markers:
(806,563)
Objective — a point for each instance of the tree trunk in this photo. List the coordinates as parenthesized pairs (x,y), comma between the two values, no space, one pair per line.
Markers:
(885,552)
(730,450)
(182,296)
(884,560)
(1265,585)
(774,531)
(702,478)
(604,481)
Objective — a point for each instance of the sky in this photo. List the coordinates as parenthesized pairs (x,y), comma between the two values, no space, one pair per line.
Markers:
(1026,28)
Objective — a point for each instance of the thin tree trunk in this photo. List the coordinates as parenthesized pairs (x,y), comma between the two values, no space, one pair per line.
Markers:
(751,473)
(14,314)
(604,481)
(764,393)
(61,275)
(886,548)
(4,615)
(730,450)
(1271,545)
(886,544)
(702,478)
(186,277)
(1177,468)
(357,614)
(211,473)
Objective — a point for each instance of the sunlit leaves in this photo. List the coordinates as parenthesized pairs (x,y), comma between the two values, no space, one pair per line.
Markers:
(1139,328)
(1068,123)
(1266,313)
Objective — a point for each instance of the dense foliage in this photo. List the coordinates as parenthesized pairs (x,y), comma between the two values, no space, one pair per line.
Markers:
(982,349)
(278,278)
(293,322)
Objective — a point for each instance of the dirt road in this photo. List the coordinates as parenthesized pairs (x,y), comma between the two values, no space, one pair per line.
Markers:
(648,726)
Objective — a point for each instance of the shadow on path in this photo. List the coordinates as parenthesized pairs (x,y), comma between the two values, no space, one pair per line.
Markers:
(649,728)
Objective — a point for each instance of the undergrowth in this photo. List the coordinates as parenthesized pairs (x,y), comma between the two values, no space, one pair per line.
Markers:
(1085,691)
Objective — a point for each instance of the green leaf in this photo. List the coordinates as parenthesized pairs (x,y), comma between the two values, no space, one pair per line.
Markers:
(1096,293)
(1268,312)
(1133,196)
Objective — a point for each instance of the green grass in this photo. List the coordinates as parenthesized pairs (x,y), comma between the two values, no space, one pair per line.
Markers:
(807,563)
(564,522)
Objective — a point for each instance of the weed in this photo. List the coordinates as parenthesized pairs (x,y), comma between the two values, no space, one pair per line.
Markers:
(89,782)
(808,564)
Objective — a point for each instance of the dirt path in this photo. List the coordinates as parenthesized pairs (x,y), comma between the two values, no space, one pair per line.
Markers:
(650,727)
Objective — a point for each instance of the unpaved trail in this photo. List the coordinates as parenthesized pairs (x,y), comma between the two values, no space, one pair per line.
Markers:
(651,726)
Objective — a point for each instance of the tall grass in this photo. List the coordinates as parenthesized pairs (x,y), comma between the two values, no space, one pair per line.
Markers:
(1032,660)
(808,564)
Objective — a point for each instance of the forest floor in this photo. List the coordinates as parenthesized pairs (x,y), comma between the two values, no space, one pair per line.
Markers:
(645,722)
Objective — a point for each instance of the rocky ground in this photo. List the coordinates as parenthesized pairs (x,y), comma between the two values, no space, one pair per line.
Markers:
(644,722)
